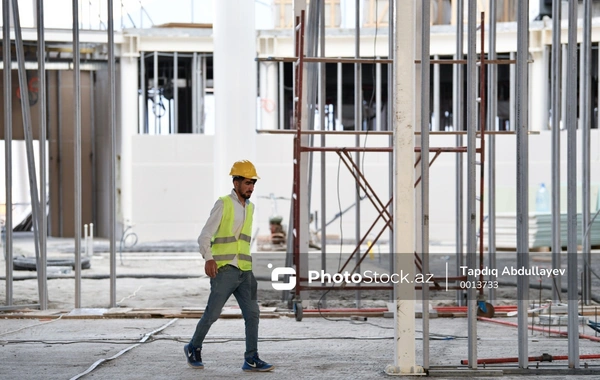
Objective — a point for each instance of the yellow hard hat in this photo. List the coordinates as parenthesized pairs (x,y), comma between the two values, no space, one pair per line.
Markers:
(244,169)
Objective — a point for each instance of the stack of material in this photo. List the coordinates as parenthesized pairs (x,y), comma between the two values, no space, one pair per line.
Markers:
(540,230)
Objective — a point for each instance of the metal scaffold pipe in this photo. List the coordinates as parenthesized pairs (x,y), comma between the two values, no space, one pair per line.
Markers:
(425,121)
(492,113)
(556,107)
(8,222)
(390,127)
(358,120)
(42,269)
(322,94)
(28,133)
(458,122)
(586,113)
(522,128)
(471,177)
(112,127)
(571,119)
(77,159)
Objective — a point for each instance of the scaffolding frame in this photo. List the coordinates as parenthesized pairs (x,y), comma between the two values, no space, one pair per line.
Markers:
(521,130)
(354,169)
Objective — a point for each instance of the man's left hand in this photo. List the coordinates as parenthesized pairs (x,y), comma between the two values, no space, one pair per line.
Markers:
(211,268)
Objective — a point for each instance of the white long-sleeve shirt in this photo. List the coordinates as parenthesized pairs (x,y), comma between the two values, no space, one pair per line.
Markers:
(214,220)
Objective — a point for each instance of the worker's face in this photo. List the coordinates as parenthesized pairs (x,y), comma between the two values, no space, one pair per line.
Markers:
(244,187)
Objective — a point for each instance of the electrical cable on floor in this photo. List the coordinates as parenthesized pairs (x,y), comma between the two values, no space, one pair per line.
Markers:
(327,318)
(129,296)
(143,340)
(70,341)
(26,327)
(150,338)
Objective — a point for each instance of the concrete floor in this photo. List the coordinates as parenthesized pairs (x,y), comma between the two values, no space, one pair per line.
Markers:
(63,346)
(314,348)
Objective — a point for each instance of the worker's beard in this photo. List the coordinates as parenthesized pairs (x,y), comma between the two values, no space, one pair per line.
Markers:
(245,196)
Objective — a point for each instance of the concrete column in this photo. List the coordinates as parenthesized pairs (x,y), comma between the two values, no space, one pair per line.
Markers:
(128,121)
(404,193)
(235,88)
(268,111)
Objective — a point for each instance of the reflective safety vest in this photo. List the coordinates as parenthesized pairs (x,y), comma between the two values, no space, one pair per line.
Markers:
(225,246)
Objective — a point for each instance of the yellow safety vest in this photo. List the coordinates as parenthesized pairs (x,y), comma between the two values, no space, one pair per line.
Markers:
(225,246)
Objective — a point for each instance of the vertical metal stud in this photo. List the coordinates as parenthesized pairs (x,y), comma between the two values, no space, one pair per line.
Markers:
(77,154)
(471,124)
(7,71)
(522,131)
(112,127)
(555,125)
(571,121)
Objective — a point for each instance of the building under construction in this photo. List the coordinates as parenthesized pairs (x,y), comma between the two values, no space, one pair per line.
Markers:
(406,128)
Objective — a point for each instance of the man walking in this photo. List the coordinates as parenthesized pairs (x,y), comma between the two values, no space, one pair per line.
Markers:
(225,245)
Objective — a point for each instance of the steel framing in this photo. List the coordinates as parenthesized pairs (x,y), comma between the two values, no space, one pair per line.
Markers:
(486,112)
(11,15)
(520,119)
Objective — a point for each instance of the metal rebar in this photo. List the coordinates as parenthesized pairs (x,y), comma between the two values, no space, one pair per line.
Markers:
(113,154)
(7,71)
(571,118)
(555,88)
(42,270)
(471,178)
(521,128)
(425,125)
(586,110)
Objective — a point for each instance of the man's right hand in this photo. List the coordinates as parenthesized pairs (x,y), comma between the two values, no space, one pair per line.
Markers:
(211,268)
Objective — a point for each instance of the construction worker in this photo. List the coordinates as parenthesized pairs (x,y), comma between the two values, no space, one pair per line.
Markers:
(225,245)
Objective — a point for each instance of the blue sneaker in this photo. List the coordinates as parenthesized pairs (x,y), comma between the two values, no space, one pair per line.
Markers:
(192,354)
(254,364)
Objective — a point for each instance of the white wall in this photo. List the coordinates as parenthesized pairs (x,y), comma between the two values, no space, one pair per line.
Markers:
(173,192)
